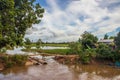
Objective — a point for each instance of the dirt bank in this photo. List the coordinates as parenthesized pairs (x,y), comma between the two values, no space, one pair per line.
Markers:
(66,58)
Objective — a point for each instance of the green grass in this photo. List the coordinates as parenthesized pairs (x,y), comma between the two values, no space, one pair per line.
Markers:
(57,51)
(56,45)
(52,44)
(50,51)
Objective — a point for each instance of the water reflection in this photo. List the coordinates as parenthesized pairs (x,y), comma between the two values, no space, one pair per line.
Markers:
(94,72)
(56,71)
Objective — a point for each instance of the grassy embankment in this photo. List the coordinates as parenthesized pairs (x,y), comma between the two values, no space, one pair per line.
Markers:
(7,61)
(50,51)
(51,44)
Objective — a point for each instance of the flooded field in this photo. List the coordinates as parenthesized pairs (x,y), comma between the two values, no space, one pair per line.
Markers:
(56,71)
(19,49)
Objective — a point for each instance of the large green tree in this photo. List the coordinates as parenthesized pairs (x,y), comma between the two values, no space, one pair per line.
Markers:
(6,22)
(88,39)
(15,17)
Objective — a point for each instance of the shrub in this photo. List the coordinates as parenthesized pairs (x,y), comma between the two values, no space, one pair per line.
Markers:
(105,52)
(19,59)
(3,50)
(87,55)
(12,60)
(75,48)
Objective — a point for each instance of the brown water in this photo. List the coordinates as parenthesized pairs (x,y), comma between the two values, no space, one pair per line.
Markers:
(55,71)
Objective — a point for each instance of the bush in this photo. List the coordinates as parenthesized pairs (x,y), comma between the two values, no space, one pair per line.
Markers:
(19,59)
(88,55)
(117,55)
(75,48)
(12,60)
(85,58)
(3,50)
(105,52)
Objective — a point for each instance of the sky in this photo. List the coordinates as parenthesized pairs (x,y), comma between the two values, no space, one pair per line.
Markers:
(66,20)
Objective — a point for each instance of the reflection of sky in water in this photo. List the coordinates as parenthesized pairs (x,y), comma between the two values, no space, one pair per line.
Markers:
(16,51)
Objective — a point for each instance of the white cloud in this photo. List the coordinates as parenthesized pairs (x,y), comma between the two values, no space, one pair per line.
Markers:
(68,24)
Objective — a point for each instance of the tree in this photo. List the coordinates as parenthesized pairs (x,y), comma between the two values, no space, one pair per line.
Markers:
(111,37)
(16,16)
(6,22)
(38,43)
(88,55)
(117,41)
(27,43)
(88,39)
(106,36)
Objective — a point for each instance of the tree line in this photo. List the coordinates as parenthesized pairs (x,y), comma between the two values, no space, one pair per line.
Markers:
(88,48)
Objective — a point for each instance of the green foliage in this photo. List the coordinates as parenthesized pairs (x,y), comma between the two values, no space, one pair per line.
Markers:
(106,36)
(117,55)
(117,41)
(19,59)
(75,48)
(85,59)
(27,43)
(12,60)
(88,48)
(88,40)
(39,44)
(6,22)
(87,55)
(111,37)
(3,50)
(104,51)
(16,16)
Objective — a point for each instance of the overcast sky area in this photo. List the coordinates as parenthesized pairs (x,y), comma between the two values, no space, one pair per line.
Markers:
(66,20)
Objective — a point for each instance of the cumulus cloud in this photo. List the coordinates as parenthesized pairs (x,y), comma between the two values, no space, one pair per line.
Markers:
(67,23)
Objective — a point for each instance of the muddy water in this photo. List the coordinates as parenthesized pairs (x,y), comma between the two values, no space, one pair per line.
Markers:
(55,71)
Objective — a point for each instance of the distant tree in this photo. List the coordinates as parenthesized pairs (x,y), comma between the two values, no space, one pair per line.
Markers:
(27,43)
(111,37)
(117,40)
(38,43)
(79,40)
(88,39)
(106,36)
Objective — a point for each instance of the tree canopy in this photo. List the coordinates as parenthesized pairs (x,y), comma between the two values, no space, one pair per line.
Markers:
(88,39)
(15,17)
(117,40)
(106,36)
